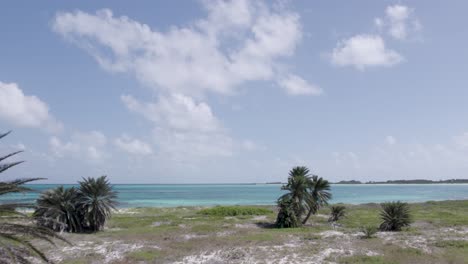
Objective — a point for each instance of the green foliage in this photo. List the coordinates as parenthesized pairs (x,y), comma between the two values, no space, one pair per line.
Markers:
(85,209)
(369,231)
(287,216)
(234,211)
(395,216)
(16,234)
(96,200)
(320,194)
(306,194)
(57,210)
(336,213)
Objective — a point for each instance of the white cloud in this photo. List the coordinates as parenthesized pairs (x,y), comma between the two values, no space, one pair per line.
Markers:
(184,128)
(363,51)
(400,21)
(176,111)
(390,140)
(133,146)
(238,41)
(88,145)
(25,110)
(295,85)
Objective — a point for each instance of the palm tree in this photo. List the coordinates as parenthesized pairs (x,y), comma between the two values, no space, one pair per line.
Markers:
(395,216)
(57,209)
(319,195)
(96,201)
(286,216)
(336,213)
(15,232)
(298,196)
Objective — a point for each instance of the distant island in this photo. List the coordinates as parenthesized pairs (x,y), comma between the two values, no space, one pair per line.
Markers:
(417,181)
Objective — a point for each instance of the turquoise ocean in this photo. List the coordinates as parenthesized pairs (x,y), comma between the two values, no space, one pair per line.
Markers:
(171,195)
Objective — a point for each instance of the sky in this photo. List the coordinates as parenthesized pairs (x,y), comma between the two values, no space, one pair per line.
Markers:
(234,91)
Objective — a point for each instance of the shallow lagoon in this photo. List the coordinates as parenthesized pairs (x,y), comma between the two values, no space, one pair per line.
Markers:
(171,195)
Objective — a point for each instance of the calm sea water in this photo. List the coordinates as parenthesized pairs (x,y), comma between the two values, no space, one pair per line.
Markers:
(157,195)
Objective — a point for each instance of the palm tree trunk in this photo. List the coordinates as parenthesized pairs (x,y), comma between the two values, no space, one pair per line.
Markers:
(307,216)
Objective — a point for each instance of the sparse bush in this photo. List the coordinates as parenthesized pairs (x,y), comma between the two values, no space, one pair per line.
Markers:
(395,216)
(336,213)
(369,231)
(234,211)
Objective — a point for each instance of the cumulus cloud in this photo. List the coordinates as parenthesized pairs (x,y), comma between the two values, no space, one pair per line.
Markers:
(362,51)
(25,110)
(89,146)
(295,85)
(133,146)
(400,21)
(183,127)
(238,41)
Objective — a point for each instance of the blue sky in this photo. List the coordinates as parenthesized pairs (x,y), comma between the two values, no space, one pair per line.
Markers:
(220,91)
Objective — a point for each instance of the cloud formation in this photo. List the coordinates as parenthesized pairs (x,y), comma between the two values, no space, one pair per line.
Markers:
(238,41)
(133,146)
(90,146)
(400,21)
(183,127)
(295,85)
(25,110)
(362,51)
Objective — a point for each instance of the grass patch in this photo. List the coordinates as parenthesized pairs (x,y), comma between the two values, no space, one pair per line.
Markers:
(235,211)
(363,259)
(144,255)
(452,244)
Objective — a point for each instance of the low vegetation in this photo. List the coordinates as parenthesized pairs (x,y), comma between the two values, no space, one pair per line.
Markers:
(336,213)
(235,211)
(82,209)
(395,216)
(185,235)
(368,231)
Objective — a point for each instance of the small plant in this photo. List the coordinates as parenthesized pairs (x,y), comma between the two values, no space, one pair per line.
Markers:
(369,231)
(336,213)
(395,216)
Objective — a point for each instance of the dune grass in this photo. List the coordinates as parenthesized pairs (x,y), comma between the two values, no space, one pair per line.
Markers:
(168,235)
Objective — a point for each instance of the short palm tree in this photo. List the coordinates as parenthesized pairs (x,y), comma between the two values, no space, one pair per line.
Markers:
(395,216)
(336,213)
(286,215)
(16,230)
(319,190)
(298,196)
(57,209)
(96,201)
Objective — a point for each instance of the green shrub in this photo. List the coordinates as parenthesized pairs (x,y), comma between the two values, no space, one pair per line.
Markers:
(369,231)
(336,213)
(234,211)
(84,209)
(287,215)
(395,216)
